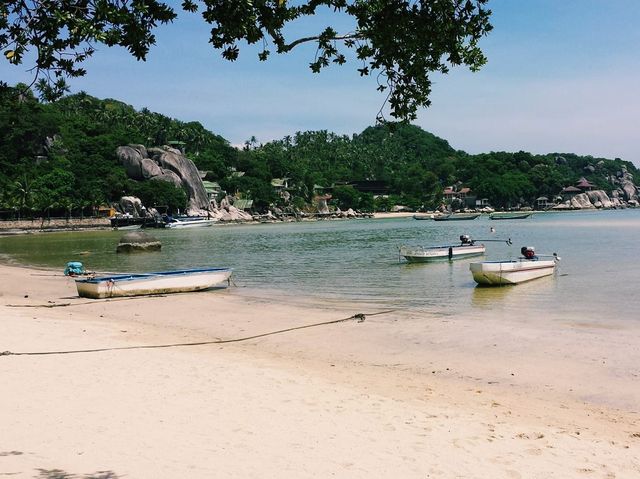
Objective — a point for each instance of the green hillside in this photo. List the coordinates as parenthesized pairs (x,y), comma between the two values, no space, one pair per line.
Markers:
(59,158)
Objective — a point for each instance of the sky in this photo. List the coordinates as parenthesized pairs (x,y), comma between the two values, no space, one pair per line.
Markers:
(562,76)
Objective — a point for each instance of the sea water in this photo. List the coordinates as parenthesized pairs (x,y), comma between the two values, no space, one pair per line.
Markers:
(357,261)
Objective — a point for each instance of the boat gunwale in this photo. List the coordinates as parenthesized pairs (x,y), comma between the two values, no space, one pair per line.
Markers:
(142,276)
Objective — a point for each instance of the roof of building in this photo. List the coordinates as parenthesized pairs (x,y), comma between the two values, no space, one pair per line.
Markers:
(278,181)
(571,189)
(464,190)
(211,186)
(584,183)
(243,204)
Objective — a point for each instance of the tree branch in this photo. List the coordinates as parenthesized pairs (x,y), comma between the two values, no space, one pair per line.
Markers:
(295,43)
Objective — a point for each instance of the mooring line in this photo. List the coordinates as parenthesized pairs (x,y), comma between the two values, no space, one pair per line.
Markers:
(360,317)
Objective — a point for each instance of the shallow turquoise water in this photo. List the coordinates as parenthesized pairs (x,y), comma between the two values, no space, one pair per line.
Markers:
(357,261)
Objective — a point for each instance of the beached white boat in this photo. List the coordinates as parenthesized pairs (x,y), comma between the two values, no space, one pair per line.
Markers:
(497,273)
(190,222)
(179,281)
(419,254)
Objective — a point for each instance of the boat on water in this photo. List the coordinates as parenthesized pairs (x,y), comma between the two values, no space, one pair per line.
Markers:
(128,222)
(510,215)
(456,217)
(179,281)
(189,222)
(419,254)
(423,217)
(526,268)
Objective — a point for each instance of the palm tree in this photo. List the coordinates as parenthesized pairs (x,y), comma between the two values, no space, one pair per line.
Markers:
(22,194)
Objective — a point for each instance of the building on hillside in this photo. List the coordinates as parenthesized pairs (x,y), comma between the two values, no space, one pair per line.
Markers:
(242,204)
(543,203)
(233,173)
(584,184)
(281,187)
(464,195)
(178,145)
(213,189)
(483,203)
(569,192)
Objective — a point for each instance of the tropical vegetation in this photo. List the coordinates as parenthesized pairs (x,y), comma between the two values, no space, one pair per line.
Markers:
(59,158)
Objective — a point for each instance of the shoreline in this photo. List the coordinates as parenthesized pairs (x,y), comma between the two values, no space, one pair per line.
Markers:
(393,396)
(36,226)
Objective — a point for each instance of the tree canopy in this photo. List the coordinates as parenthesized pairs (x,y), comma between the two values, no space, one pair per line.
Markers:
(400,42)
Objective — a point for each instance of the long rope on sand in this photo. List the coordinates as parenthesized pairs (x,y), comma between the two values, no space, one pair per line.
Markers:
(359,317)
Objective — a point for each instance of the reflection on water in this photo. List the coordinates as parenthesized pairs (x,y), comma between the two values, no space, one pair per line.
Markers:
(358,261)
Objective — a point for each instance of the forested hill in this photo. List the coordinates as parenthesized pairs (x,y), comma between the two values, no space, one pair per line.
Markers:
(61,156)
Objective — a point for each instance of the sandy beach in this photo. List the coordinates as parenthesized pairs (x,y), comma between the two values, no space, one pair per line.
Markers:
(396,395)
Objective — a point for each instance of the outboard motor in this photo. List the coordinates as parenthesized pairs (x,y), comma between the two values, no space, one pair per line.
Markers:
(465,239)
(528,252)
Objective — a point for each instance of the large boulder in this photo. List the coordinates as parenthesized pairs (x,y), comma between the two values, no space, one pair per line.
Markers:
(137,241)
(131,205)
(169,176)
(131,159)
(581,202)
(149,168)
(599,199)
(174,161)
(629,190)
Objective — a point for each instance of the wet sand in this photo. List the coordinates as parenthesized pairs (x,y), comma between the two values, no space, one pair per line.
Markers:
(398,395)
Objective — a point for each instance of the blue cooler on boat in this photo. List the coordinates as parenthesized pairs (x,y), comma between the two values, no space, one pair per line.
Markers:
(74,268)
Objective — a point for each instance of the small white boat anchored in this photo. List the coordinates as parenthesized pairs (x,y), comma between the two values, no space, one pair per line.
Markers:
(419,254)
(187,222)
(526,268)
(179,281)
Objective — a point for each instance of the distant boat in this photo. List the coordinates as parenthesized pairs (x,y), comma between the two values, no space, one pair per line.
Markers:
(508,215)
(456,217)
(423,217)
(128,222)
(419,254)
(498,273)
(151,283)
(189,222)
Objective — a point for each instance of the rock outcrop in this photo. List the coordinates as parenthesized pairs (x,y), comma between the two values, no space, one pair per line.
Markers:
(131,205)
(597,199)
(166,164)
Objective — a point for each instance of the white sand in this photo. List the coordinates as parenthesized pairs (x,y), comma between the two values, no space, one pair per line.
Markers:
(394,396)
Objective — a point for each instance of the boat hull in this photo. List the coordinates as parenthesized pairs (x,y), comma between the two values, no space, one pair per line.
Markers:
(457,217)
(509,216)
(497,273)
(440,253)
(151,283)
(191,223)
